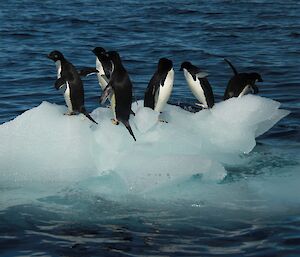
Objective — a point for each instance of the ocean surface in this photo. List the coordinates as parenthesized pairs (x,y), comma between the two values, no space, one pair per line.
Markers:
(253,211)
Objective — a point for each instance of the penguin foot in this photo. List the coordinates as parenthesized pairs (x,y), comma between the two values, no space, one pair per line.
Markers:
(70,113)
(164,121)
(115,122)
(201,105)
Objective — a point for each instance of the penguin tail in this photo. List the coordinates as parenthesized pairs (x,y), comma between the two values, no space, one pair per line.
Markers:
(127,125)
(232,67)
(84,111)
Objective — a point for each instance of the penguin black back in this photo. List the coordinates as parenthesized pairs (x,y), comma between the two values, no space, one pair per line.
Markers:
(122,88)
(241,83)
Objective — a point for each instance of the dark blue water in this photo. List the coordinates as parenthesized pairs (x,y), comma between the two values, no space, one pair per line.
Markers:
(258,35)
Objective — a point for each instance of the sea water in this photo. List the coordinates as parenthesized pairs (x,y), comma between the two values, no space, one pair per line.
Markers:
(220,182)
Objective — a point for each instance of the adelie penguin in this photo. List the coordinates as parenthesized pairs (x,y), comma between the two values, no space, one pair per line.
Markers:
(68,76)
(160,86)
(103,65)
(121,87)
(199,85)
(241,83)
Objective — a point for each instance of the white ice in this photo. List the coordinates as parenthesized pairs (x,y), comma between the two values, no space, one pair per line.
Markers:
(43,145)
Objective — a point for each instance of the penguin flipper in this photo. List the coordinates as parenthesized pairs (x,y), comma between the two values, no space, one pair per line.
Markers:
(153,86)
(202,74)
(232,67)
(208,92)
(59,83)
(105,78)
(87,72)
(149,100)
(127,125)
(201,105)
(108,69)
(162,80)
(106,93)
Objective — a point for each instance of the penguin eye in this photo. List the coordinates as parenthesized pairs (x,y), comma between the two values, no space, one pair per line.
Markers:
(55,56)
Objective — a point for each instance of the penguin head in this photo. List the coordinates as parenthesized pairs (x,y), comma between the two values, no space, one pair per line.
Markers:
(115,58)
(164,64)
(255,77)
(98,51)
(113,55)
(56,56)
(185,65)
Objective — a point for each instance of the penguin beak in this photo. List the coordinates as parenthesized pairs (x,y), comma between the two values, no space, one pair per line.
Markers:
(181,69)
(50,57)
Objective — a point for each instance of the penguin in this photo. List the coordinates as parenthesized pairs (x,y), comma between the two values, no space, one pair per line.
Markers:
(241,83)
(160,86)
(199,85)
(120,87)
(68,75)
(103,65)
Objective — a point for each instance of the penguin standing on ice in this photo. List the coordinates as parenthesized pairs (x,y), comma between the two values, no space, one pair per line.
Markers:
(199,85)
(103,65)
(68,75)
(160,86)
(120,87)
(241,83)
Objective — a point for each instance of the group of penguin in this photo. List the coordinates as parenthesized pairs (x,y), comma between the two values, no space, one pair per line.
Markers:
(117,87)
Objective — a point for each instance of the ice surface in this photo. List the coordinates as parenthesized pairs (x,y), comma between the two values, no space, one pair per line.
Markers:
(44,145)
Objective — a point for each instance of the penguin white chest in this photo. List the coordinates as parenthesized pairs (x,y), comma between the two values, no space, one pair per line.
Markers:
(67,96)
(99,67)
(101,74)
(245,91)
(164,92)
(195,87)
(58,68)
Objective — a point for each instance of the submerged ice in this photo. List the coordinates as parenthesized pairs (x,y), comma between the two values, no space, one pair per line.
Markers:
(43,145)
